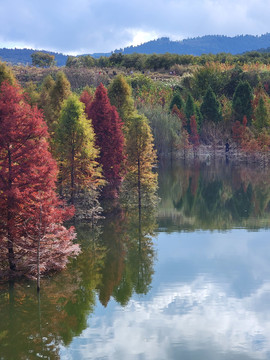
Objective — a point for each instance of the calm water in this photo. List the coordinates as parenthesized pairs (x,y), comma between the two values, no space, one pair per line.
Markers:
(191,282)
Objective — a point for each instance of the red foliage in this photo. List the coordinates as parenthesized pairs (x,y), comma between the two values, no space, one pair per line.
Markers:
(180,114)
(87,99)
(194,136)
(27,184)
(109,136)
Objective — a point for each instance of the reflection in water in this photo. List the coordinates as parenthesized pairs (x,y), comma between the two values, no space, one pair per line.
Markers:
(196,294)
(117,260)
(213,196)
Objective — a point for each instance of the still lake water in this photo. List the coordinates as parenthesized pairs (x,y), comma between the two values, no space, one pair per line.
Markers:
(192,282)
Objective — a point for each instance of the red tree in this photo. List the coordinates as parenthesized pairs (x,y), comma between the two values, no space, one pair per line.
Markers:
(31,215)
(86,98)
(109,136)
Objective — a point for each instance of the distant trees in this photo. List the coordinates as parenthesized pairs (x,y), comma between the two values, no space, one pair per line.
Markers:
(31,215)
(210,107)
(242,102)
(42,59)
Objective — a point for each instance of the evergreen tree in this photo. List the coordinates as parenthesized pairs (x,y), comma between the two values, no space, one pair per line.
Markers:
(242,101)
(210,107)
(189,110)
(176,100)
(75,142)
(261,116)
(109,137)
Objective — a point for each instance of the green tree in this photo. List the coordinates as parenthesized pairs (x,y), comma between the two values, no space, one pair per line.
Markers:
(176,100)
(120,95)
(242,101)
(6,74)
(42,59)
(189,110)
(140,184)
(261,115)
(210,107)
(75,142)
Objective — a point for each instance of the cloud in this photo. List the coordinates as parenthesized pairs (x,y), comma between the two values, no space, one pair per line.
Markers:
(197,318)
(103,25)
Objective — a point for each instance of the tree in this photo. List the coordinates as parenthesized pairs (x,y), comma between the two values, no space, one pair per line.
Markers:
(27,182)
(6,74)
(119,93)
(189,110)
(86,98)
(140,183)
(210,107)
(176,100)
(75,141)
(109,137)
(42,59)
(242,101)
(261,115)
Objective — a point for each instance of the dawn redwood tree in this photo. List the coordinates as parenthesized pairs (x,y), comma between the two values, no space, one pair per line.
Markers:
(86,98)
(140,183)
(109,136)
(27,184)
(120,95)
(77,153)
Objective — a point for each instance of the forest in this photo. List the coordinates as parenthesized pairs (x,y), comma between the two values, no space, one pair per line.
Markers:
(89,135)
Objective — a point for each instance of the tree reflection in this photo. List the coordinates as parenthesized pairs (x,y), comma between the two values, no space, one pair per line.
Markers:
(213,196)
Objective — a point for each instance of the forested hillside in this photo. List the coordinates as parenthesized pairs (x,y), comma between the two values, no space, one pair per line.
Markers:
(23,56)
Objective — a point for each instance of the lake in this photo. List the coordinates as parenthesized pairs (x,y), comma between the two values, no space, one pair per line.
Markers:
(190,281)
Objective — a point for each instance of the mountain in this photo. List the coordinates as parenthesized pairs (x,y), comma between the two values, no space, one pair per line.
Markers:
(23,56)
(201,45)
(194,46)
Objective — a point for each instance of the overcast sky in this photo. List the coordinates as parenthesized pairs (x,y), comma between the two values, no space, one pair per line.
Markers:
(87,26)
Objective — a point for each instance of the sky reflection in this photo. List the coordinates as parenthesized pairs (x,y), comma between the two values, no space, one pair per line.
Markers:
(210,299)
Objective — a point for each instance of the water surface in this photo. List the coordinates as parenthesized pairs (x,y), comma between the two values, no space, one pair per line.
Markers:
(192,281)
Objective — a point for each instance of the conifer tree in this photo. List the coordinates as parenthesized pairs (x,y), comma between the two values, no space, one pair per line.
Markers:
(6,74)
(176,100)
(109,136)
(189,110)
(27,185)
(78,154)
(120,95)
(242,101)
(210,107)
(261,115)
(140,182)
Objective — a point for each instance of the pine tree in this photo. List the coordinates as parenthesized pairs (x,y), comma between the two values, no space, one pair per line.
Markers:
(210,107)
(75,141)
(109,137)
(27,184)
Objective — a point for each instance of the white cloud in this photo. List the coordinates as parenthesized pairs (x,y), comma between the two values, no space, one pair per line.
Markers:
(104,25)
(197,316)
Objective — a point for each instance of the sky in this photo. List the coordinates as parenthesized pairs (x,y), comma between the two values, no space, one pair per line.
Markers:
(89,26)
